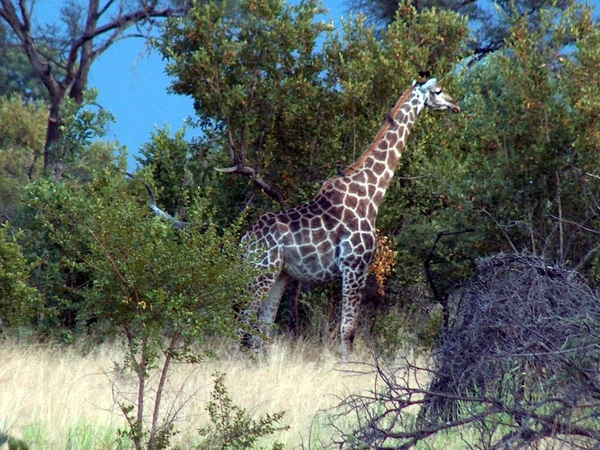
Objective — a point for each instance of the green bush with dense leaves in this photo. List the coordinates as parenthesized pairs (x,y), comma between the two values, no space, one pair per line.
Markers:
(284,101)
(20,300)
(163,291)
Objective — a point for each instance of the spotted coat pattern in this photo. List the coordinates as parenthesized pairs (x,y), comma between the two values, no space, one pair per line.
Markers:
(333,235)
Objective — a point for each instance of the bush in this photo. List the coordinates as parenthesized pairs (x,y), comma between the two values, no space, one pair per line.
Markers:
(20,301)
(521,329)
(232,428)
(517,364)
(162,290)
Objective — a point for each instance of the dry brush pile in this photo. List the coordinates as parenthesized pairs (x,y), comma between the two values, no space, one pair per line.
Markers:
(517,364)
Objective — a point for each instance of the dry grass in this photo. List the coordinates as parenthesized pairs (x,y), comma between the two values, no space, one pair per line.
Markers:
(57,398)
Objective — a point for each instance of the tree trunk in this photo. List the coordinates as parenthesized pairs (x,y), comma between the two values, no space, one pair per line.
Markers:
(73,60)
(53,139)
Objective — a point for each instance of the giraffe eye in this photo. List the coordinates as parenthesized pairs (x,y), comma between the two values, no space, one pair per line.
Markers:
(437,91)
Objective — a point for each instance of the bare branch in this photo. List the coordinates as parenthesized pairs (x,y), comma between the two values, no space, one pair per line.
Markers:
(500,227)
(177,224)
(593,176)
(258,181)
(571,222)
(517,365)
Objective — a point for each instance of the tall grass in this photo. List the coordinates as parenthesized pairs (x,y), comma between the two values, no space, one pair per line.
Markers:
(60,398)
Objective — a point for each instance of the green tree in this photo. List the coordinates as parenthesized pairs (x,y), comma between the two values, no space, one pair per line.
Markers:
(519,165)
(247,66)
(17,77)
(169,159)
(163,291)
(283,99)
(61,54)
(538,138)
(22,128)
(85,153)
(286,101)
(490,23)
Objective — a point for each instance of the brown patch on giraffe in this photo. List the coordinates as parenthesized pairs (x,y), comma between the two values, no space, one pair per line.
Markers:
(392,138)
(361,210)
(371,210)
(328,185)
(351,201)
(329,221)
(324,247)
(323,202)
(360,190)
(311,258)
(371,178)
(350,219)
(379,168)
(306,249)
(293,215)
(320,234)
(299,237)
(365,226)
(359,177)
(270,240)
(367,164)
(315,223)
(336,198)
(294,226)
(385,178)
(356,239)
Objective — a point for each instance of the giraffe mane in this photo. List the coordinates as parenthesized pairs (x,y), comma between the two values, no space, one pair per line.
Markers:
(380,135)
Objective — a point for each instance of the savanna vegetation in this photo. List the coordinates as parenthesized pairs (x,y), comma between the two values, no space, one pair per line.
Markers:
(481,326)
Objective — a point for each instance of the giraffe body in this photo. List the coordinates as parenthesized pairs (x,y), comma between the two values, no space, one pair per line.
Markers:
(333,235)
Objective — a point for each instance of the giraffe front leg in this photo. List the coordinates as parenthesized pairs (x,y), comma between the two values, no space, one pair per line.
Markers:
(353,284)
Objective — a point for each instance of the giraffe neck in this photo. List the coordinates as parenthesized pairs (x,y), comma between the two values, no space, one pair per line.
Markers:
(378,163)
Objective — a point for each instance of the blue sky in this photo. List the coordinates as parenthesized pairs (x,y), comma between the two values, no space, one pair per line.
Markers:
(133,86)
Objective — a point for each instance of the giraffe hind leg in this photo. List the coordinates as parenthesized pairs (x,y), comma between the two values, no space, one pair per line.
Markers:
(268,309)
(248,317)
(262,310)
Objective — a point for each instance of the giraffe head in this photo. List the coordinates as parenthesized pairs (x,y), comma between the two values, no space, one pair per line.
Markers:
(435,98)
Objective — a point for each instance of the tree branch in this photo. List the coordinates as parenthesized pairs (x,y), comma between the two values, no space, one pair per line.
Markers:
(258,181)
(178,224)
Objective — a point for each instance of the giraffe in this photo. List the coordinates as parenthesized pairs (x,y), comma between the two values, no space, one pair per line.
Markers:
(333,235)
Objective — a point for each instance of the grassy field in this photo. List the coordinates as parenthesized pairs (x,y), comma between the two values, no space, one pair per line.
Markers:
(62,398)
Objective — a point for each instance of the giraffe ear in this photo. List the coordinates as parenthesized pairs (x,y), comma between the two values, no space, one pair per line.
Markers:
(428,86)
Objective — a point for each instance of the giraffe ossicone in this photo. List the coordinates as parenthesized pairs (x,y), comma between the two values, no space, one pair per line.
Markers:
(333,235)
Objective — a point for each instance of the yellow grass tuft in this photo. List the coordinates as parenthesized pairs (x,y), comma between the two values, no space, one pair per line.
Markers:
(57,398)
